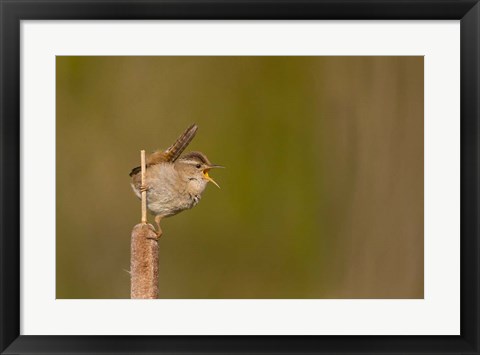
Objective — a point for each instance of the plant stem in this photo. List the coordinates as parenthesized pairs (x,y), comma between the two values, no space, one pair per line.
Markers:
(144,252)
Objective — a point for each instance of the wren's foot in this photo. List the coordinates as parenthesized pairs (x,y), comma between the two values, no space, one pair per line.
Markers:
(143,188)
(158,232)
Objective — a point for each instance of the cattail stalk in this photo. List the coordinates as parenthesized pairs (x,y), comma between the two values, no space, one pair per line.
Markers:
(144,252)
(144,192)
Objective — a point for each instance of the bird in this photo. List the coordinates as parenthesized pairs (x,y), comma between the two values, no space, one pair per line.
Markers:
(173,182)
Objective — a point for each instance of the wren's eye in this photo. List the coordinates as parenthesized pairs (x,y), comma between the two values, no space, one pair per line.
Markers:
(198,166)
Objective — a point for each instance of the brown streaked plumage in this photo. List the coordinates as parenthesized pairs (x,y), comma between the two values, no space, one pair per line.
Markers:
(173,182)
(171,153)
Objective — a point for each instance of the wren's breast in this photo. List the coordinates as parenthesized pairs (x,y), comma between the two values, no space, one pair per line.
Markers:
(195,199)
(167,195)
(165,204)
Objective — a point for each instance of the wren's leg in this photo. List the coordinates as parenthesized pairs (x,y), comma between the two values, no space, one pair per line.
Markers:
(158,232)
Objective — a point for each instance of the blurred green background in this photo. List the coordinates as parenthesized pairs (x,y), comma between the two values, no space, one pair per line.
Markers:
(322,196)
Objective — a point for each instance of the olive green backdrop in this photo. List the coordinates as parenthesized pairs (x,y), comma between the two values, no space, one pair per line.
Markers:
(322,196)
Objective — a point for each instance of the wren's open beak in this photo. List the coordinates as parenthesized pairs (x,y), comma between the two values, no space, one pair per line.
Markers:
(207,177)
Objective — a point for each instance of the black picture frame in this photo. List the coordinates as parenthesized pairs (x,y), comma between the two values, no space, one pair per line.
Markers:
(13,11)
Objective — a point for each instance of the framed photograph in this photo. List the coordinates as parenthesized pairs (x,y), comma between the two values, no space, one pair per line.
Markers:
(239,177)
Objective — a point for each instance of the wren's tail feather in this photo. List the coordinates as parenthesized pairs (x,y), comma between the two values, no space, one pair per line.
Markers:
(173,152)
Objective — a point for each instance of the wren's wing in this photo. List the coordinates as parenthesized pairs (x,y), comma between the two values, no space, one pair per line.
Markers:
(172,153)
